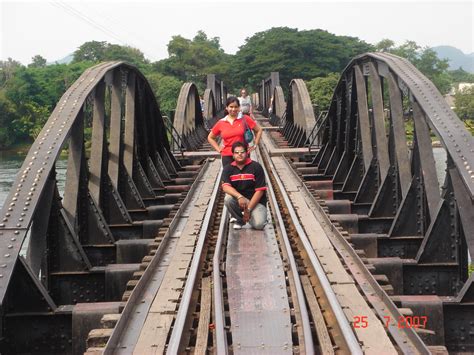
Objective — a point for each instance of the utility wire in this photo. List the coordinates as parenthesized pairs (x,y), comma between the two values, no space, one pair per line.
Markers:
(113,20)
(88,20)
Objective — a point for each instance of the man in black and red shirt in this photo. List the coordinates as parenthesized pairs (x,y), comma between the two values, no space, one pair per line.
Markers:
(243,181)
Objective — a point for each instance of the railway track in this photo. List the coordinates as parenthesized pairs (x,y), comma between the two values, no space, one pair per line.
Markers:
(296,287)
(366,250)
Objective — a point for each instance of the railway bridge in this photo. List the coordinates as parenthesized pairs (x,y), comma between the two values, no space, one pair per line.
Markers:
(366,249)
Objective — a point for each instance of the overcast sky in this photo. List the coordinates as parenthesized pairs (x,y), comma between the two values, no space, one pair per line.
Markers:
(57,28)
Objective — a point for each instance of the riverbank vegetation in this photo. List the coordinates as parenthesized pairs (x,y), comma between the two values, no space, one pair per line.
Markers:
(28,94)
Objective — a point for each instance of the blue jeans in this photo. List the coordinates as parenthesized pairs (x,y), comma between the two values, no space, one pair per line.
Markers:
(258,216)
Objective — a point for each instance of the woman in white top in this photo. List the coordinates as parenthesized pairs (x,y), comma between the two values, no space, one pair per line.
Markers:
(246,103)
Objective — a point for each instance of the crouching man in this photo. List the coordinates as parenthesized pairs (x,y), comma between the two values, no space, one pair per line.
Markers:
(243,181)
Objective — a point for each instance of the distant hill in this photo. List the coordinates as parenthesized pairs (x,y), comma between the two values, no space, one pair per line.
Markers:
(456,58)
(65,60)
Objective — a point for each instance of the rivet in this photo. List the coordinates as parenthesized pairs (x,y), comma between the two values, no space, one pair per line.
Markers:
(7,255)
(13,239)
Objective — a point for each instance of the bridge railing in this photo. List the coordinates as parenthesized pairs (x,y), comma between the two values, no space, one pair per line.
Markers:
(278,107)
(210,113)
(315,138)
(381,103)
(176,142)
(219,91)
(299,117)
(266,90)
(125,168)
(189,122)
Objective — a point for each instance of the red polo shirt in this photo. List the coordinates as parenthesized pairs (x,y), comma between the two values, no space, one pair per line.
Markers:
(231,133)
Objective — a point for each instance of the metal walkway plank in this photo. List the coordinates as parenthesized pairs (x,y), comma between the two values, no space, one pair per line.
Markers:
(258,301)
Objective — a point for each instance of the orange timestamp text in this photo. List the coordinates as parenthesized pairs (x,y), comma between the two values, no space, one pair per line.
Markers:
(401,323)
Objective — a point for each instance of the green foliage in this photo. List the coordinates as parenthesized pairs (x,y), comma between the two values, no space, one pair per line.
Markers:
(166,89)
(464,101)
(92,51)
(95,52)
(29,94)
(321,90)
(7,70)
(294,54)
(192,60)
(37,62)
(28,98)
(461,76)
(424,59)
(7,116)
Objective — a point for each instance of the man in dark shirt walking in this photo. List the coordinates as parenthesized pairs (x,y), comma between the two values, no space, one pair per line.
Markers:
(243,181)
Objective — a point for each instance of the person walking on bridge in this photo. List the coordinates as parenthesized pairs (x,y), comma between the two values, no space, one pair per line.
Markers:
(232,128)
(243,181)
(246,106)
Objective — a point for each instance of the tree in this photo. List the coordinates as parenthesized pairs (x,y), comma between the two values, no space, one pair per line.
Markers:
(191,60)
(92,51)
(464,103)
(461,76)
(424,59)
(166,89)
(7,116)
(7,69)
(294,54)
(37,62)
(385,45)
(321,90)
(125,53)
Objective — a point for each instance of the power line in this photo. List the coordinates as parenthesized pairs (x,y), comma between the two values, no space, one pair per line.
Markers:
(106,16)
(88,20)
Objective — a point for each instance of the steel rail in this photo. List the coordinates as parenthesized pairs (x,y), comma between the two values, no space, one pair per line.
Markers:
(308,338)
(180,320)
(221,338)
(346,329)
(143,284)
(405,338)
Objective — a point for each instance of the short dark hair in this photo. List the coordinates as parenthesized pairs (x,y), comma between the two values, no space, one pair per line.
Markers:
(239,144)
(232,99)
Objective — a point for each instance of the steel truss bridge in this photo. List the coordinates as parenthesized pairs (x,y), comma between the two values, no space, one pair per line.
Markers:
(366,250)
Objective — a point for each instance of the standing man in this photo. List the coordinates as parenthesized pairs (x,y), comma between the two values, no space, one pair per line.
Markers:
(243,181)
(246,103)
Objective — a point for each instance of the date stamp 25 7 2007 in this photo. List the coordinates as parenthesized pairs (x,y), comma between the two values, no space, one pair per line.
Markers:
(402,322)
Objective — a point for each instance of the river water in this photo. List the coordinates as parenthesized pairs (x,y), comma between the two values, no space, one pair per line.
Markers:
(10,164)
